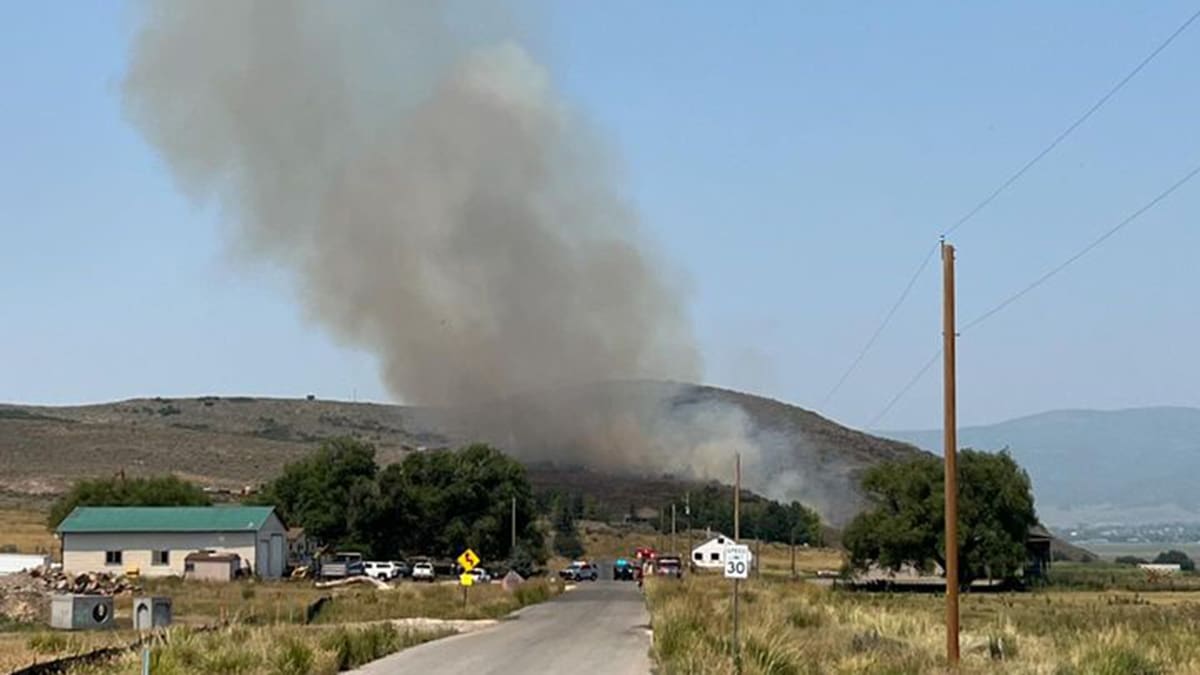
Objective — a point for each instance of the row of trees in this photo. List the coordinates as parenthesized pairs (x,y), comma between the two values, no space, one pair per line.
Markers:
(761,518)
(432,503)
(440,502)
(152,491)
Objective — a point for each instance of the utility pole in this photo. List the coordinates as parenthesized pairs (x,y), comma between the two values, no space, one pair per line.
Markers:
(662,525)
(687,511)
(737,537)
(949,338)
(793,545)
(674,548)
(514,527)
(737,497)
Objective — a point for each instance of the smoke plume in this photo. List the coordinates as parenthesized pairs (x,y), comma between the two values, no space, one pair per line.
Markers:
(438,204)
(437,201)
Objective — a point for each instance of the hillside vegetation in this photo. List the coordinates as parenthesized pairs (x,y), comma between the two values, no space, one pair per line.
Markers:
(231,442)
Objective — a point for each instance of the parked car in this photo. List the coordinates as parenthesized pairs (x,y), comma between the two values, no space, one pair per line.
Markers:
(402,569)
(481,575)
(580,570)
(343,564)
(669,566)
(423,571)
(385,570)
(623,570)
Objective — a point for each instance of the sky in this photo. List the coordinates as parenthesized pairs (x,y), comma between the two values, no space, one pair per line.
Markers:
(792,163)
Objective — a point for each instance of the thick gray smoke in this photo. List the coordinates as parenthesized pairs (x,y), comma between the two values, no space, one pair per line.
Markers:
(437,202)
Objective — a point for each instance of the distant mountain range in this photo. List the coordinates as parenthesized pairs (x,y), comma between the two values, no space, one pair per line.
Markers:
(1088,466)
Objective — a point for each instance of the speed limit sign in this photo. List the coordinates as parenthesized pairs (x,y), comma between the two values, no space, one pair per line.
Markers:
(737,561)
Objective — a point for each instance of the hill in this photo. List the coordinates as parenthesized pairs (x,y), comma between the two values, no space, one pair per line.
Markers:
(627,430)
(1121,466)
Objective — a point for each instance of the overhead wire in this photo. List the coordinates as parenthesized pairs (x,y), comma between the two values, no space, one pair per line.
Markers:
(1054,271)
(1007,183)
(1051,273)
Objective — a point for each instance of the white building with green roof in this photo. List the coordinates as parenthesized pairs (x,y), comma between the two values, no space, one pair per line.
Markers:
(154,540)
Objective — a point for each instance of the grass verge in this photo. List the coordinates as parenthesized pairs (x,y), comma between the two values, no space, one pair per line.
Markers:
(795,627)
(268,650)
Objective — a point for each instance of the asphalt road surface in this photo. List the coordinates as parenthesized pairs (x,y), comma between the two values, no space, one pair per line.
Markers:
(599,627)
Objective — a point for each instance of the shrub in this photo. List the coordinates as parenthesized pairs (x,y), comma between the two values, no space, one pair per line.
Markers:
(1115,661)
(50,643)
(567,544)
(805,617)
(531,593)
(356,647)
(292,658)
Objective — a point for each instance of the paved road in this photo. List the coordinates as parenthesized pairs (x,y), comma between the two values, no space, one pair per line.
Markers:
(599,628)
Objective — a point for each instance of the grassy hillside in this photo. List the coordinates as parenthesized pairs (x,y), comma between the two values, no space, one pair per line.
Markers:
(230,442)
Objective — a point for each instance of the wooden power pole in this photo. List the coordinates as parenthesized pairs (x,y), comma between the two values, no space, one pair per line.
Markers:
(674,549)
(737,538)
(514,527)
(951,451)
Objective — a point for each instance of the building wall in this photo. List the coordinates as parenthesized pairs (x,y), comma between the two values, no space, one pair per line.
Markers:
(212,570)
(715,545)
(85,551)
(272,549)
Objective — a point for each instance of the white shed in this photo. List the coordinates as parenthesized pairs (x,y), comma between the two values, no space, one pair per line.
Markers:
(712,552)
(155,540)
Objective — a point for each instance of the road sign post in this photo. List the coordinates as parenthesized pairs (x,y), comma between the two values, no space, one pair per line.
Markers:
(737,567)
(468,561)
(737,561)
(739,551)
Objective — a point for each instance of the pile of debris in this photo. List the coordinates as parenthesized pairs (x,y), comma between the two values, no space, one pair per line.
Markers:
(24,596)
(88,583)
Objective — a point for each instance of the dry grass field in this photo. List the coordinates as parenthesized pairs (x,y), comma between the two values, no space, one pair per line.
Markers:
(260,613)
(266,650)
(24,531)
(797,627)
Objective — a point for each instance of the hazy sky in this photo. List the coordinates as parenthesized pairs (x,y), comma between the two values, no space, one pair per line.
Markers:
(793,162)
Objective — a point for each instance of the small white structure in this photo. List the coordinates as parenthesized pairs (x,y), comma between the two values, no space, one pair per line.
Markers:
(711,554)
(11,563)
(1161,568)
(156,540)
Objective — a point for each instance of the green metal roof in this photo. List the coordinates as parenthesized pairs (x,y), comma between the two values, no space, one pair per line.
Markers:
(165,519)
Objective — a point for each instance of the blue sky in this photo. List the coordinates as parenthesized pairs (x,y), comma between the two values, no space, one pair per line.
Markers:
(793,162)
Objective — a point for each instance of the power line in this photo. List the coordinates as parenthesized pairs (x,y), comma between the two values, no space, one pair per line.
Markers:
(1054,271)
(879,331)
(1000,190)
(905,389)
(1074,125)
(1025,290)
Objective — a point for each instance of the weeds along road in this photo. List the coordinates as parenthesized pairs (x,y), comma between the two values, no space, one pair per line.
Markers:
(599,627)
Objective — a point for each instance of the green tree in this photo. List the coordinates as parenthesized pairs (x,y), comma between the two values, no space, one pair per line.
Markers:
(443,501)
(906,524)
(329,493)
(121,491)
(1174,557)
(566,534)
